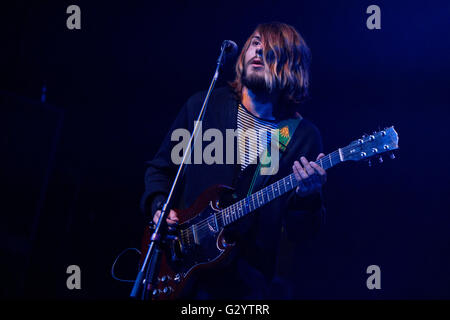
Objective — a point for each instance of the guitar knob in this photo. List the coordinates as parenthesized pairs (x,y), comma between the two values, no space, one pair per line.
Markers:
(167,290)
(165,279)
(177,278)
(156,293)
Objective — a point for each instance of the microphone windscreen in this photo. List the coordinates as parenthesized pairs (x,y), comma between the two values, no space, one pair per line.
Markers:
(231,47)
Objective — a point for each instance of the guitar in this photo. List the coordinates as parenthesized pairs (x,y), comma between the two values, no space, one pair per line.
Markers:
(199,242)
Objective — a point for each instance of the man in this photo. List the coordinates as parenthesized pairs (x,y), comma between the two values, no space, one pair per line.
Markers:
(272,79)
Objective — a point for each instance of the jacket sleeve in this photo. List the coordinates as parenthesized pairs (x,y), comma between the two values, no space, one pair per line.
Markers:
(161,170)
(305,215)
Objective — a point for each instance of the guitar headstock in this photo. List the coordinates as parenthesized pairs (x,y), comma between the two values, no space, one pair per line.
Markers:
(371,145)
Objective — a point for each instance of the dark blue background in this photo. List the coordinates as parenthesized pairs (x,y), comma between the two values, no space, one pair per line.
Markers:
(74,166)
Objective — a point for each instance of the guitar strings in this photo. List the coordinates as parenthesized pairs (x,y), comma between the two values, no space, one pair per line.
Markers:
(253,205)
(244,206)
(205,223)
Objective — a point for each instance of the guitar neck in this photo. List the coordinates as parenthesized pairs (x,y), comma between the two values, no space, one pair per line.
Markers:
(269,193)
(362,149)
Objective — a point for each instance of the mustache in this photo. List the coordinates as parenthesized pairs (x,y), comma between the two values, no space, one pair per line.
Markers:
(257,60)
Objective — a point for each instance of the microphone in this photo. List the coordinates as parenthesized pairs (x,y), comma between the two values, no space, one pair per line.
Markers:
(230,47)
(227,51)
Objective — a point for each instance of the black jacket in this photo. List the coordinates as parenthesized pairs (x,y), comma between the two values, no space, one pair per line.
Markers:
(258,235)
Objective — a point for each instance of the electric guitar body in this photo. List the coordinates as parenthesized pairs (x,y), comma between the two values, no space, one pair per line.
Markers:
(199,244)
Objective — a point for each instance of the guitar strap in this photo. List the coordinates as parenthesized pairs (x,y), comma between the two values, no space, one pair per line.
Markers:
(286,129)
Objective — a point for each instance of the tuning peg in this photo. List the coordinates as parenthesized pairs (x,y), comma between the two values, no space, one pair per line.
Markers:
(392,156)
(380,159)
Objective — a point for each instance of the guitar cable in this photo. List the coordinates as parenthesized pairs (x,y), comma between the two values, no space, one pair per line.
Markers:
(115,261)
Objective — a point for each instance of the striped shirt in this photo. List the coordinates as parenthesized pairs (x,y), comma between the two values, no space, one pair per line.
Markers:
(254,136)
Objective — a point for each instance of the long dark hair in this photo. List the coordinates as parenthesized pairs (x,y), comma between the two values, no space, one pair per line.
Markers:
(288,58)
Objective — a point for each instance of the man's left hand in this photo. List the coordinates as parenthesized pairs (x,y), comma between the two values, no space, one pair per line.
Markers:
(310,176)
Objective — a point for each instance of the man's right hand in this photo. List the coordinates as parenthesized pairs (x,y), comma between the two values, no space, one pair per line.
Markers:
(171,220)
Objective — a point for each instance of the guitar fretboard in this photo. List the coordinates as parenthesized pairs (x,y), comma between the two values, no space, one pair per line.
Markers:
(254,201)
(269,193)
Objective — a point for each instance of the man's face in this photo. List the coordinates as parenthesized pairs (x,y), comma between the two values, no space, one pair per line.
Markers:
(254,69)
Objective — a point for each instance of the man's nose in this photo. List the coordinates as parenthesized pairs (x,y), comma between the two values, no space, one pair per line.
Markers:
(259,51)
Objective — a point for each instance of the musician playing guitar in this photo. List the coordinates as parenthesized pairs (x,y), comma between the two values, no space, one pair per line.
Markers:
(272,80)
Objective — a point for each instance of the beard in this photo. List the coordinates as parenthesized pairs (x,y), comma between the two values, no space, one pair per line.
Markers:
(254,81)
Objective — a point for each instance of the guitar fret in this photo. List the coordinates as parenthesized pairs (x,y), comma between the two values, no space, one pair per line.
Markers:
(215,220)
(230,214)
(194,234)
(224,219)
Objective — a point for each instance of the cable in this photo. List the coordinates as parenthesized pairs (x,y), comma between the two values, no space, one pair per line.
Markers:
(115,261)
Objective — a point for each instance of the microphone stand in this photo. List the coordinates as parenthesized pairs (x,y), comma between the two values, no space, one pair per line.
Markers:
(151,264)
